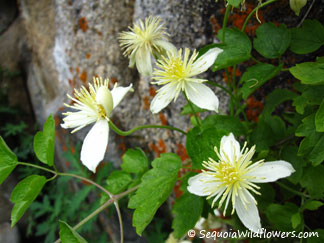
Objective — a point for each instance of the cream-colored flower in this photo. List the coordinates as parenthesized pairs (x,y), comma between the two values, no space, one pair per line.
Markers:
(94,106)
(143,41)
(233,178)
(177,73)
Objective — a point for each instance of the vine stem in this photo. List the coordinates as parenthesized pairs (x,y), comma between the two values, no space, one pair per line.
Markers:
(129,132)
(228,8)
(292,190)
(253,11)
(114,199)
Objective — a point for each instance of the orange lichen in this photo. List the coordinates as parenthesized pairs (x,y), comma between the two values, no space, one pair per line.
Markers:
(88,55)
(77,69)
(254,109)
(146,103)
(71,69)
(83,24)
(83,77)
(158,149)
(182,152)
(230,72)
(152,91)
(113,80)
(163,119)
(214,23)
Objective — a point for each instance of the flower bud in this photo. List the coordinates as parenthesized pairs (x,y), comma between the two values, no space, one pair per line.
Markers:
(297,5)
(105,99)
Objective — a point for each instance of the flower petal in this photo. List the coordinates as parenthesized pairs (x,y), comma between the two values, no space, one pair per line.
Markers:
(95,145)
(271,171)
(143,61)
(163,98)
(201,96)
(165,45)
(205,61)
(202,184)
(118,93)
(248,214)
(229,148)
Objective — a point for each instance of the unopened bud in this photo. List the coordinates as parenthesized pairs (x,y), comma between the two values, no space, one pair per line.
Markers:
(297,5)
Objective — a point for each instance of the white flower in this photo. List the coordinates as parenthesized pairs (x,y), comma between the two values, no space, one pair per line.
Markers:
(143,41)
(177,74)
(233,178)
(92,106)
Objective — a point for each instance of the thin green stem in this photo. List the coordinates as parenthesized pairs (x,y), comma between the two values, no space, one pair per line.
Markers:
(102,207)
(192,110)
(253,11)
(292,190)
(120,222)
(129,132)
(38,167)
(89,181)
(228,8)
(220,86)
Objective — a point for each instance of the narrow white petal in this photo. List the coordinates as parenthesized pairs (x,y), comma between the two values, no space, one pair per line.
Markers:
(248,215)
(271,171)
(143,61)
(95,144)
(132,60)
(206,60)
(167,46)
(230,148)
(201,96)
(163,98)
(118,93)
(202,184)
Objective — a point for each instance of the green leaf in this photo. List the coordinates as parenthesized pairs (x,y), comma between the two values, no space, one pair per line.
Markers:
(308,38)
(8,160)
(235,3)
(313,181)
(319,118)
(272,41)
(69,235)
(300,102)
(309,72)
(255,76)
(277,97)
(237,49)
(316,237)
(313,205)
(118,181)
(200,144)
(134,161)
(187,210)
(279,214)
(44,142)
(187,109)
(155,188)
(296,220)
(24,194)
(289,154)
(226,123)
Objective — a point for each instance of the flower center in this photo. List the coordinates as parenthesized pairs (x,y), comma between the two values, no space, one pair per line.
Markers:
(227,173)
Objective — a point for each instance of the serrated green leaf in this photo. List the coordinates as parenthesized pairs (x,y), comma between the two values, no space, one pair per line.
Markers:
(187,210)
(307,127)
(134,161)
(118,181)
(272,41)
(187,109)
(44,142)
(200,144)
(8,160)
(279,214)
(295,220)
(255,76)
(309,72)
(313,205)
(237,49)
(226,123)
(277,97)
(308,38)
(69,235)
(154,189)
(24,194)
(313,181)
(319,118)
(300,102)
